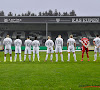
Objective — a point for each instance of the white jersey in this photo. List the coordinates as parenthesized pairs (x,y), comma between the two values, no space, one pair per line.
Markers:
(35,43)
(71,42)
(7,42)
(49,43)
(59,42)
(28,43)
(97,41)
(18,43)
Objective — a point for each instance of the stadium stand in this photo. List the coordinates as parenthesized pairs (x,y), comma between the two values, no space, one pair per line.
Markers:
(42,35)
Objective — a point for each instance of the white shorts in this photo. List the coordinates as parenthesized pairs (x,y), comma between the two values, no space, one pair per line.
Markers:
(58,49)
(96,49)
(8,51)
(71,49)
(50,50)
(36,50)
(17,49)
(27,51)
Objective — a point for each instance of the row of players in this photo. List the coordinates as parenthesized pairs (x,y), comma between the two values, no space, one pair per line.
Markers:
(71,44)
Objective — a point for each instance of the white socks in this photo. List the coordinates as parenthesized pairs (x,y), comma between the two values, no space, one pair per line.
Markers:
(46,57)
(51,57)
(68,57)
(57,57)
(38,56)
(61,57)
(29,56)
(33,56)
(74,55)
(24,57)
(95,56)
(15,56)
(4,58)
(10,57)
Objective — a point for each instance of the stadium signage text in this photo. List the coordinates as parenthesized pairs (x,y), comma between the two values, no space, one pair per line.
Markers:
(49,19)
(85,20)
(12,20)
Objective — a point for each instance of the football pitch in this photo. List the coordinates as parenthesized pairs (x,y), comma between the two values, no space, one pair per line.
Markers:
(50,75)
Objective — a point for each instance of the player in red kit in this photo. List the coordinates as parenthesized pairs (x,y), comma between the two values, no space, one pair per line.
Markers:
(85,43)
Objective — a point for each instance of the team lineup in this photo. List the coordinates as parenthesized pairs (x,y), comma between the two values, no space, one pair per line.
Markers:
(71,46)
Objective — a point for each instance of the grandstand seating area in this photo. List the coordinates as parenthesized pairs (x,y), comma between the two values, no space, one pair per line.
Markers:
(42,35)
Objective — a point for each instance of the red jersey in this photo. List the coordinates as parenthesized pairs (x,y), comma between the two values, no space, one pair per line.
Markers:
(85,40)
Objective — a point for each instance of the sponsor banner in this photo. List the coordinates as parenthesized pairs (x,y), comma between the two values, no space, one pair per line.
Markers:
(12,20)
(48,19)
(44,48)
(85,20)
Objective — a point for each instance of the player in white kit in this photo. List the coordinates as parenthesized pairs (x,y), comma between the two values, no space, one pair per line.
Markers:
(70,45)
(28,44)
(18,43)
(36,45)
(59,47)
(7,43)
(49,44)
(96,43)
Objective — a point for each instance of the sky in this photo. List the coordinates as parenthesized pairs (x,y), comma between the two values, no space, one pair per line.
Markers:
(81,7)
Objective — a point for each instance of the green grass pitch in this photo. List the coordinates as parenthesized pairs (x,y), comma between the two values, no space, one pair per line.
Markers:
(50,75)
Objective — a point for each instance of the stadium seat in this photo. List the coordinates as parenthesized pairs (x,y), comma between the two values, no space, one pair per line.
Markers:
(42,35)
